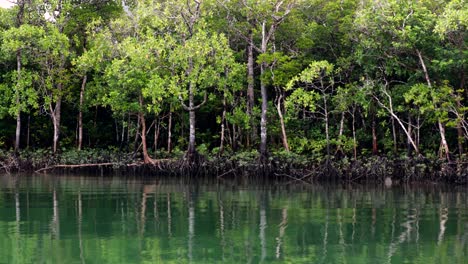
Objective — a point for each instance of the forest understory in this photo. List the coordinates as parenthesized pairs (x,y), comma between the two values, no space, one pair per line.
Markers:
(283,167)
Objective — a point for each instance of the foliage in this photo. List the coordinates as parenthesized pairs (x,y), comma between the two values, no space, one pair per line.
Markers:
(343,77)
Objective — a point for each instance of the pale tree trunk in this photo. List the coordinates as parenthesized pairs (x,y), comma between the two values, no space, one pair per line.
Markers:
(461,136)
(443,141)
(19,22)
(263,91)
(18,113)
(389,109)
(191,108)
(395,147)
(169,133)
(460,133)
(327,133)
(267,35)
(146,157)
(223,119)
(191,147)
(56,114)
(250,88)
(340,133)
(80,113)
(354,135)
(263,119)
(410,131)
(418,124)
(284,137)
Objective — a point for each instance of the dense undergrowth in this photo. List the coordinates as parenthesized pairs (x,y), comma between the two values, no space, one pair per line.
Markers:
(279,165)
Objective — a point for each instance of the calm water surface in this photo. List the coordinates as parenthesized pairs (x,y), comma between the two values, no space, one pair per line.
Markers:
(68,219)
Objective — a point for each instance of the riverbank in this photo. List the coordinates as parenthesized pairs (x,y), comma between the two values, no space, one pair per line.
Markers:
(281,166)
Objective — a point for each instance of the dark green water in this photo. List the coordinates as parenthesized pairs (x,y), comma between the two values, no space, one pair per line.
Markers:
(50,219)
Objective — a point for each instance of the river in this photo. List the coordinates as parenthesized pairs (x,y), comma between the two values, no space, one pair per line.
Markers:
(123,219)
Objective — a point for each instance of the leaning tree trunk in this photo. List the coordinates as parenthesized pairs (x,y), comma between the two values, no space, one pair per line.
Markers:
(395,146)
(443,140)
(80,113)
(284,137)
(340,134)
(410,131)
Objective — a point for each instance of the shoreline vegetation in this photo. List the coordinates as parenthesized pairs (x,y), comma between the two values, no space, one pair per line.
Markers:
(300,90)
(285,167)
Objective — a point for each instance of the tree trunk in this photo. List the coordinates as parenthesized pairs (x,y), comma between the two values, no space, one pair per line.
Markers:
(443,141)
(157,126)
(395,147)
(250,87)
(191,147)
(223,118)
(284,137)
(56,114)
(340,134)
(18,113)
(169,133)
(418,124)
(18,130)
(263,91)
(263,121)
(354,135)
(389,109)
(146,157)
(327,133)
(80,113)
(375,150)
(410,131)
(460,134)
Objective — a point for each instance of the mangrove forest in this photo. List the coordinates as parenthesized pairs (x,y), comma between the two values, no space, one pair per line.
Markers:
(300,89)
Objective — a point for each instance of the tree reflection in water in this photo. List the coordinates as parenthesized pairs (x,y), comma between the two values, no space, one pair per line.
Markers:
(109,219)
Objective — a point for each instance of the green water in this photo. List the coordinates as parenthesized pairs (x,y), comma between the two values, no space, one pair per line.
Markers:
(68,219)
